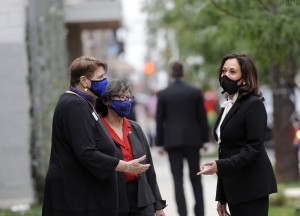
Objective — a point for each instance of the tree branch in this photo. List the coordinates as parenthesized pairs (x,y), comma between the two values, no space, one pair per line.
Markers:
(264,5)
(227,12)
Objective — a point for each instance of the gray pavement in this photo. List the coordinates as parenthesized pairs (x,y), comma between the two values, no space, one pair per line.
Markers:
(165,182)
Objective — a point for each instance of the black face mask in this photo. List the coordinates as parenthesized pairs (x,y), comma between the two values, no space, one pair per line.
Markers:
(229,86)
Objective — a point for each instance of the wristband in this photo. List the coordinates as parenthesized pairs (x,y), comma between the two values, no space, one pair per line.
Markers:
(127,167)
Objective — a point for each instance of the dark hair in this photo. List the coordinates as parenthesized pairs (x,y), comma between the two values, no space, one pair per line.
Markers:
(249,75)
(84,66)
(177,69)
(114,87)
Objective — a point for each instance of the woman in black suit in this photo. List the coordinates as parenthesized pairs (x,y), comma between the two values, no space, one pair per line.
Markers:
(138,194)
(82,178)
(245,173)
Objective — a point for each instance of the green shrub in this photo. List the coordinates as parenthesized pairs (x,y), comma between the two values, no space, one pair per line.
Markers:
(279,198)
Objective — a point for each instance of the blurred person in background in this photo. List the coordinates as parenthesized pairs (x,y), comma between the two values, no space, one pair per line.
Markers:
(138,194)
(182,129)
(151,112)
(245,173)
(82,178)
(211,104)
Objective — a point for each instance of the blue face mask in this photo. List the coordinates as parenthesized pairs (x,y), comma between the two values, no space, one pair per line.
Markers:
(122,108)
(98,87)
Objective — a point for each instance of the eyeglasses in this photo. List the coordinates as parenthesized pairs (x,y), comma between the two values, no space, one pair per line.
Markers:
(123,97)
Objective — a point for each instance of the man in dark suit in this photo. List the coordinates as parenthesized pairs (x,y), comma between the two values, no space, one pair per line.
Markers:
(182,129)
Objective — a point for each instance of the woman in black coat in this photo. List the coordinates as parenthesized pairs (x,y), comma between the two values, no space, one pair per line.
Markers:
(245,173)
(139,194)
(82,178)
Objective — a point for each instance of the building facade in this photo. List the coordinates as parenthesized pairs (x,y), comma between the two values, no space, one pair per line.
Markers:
(38,39)
(15,172)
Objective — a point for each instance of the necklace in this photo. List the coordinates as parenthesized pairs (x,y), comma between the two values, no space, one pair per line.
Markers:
(117,126)
(83,95)
(112,125)
(91,105)
(118,129)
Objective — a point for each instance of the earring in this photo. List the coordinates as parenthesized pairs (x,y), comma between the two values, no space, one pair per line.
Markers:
(244,83)
(85,89)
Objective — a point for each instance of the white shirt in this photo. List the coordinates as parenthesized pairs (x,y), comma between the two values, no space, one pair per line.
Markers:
(227,106)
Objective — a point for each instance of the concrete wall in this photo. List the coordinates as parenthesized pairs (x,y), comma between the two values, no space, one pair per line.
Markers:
(15,175)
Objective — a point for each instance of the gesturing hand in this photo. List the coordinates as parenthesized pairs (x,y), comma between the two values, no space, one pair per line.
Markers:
(136,167)
(208,168)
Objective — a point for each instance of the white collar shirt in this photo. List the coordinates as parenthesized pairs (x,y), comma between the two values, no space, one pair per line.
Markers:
(227,106)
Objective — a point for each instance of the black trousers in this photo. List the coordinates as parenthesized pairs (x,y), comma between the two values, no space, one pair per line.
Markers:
(132,193)
(176,158)
(257,207)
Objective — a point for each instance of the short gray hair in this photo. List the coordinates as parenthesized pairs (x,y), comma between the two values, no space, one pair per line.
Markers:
(113,87)
(117,86)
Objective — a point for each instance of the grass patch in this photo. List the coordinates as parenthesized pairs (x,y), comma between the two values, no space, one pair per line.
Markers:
(282,211)
(281,205)
(291,184)
(34,211)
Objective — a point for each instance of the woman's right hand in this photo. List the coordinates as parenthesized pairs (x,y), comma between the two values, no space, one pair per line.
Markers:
(222,211)
(208,168)
(135,166)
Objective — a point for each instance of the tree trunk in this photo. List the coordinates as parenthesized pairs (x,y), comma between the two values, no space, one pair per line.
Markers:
(282,83)
(47,76)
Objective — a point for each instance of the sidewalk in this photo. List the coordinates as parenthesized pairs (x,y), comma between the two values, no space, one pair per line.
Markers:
(165,183)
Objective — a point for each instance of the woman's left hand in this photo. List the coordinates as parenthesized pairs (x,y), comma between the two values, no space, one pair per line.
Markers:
(222,209)
(208,168)
(160,212)
(136,167)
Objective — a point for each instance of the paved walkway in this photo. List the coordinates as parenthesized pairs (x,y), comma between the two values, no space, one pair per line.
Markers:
(165,183)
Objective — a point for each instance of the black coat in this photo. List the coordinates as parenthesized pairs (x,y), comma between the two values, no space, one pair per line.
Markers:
(245,172)
(181,117)
(148,191)
(81,179)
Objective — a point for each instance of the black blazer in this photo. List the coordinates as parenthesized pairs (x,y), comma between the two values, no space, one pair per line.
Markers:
(148,191)
(245,172)
(81,175)
(181,117)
